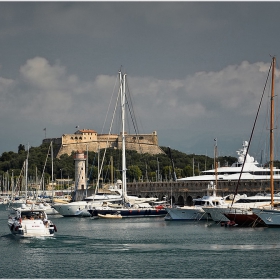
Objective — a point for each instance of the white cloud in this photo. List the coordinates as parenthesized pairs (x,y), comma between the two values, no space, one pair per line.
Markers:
(46,95)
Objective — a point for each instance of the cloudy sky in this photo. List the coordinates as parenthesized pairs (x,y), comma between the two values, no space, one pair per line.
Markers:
(196,70)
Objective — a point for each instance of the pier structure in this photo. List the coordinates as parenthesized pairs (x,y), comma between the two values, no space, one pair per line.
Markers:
(183,193)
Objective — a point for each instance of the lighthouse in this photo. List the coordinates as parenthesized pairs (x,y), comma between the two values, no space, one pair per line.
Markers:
(80,167)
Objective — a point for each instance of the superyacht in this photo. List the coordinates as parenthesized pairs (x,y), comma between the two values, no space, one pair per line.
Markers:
(251,170)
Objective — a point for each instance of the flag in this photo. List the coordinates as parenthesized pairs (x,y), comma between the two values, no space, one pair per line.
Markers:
(45,129)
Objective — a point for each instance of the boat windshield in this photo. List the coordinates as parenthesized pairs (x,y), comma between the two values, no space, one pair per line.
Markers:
(32,214)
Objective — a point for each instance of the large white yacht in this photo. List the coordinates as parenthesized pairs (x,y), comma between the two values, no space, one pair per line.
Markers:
(251,170)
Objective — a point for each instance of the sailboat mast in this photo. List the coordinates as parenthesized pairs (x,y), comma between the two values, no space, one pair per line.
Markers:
(26,172)
(122,90)
(52,167)
(112,170)
(271,132)
(215,162)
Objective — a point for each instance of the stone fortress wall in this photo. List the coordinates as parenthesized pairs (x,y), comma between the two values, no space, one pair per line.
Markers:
(88,139)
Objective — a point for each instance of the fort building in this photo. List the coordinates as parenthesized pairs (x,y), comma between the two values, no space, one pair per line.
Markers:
(89,139)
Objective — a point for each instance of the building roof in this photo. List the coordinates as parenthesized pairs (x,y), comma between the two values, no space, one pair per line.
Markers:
(81,131)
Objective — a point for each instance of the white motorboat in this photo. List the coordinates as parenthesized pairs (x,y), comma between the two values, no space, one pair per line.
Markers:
(196,211)
(251,170)
(30,221)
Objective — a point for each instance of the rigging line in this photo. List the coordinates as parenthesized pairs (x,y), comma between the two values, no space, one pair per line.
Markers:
(133,116)
(43,172)
(109,106)
(131,109)
(91,168)
(238,182)
(102,162)
(19,177)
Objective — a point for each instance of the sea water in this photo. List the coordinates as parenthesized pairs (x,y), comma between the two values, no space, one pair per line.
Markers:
(140,248)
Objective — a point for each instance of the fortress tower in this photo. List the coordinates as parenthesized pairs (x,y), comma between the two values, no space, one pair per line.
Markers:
(89,139)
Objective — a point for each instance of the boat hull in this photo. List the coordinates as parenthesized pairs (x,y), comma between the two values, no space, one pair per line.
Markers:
(271,217)
(74,209)
(245,218)
(186,213)
(32,230)
(216,214)
(130,213)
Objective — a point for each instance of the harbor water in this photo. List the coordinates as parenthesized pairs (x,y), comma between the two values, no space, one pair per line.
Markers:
(141,248)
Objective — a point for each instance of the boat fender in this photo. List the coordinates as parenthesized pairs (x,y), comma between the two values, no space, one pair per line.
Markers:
(54,228)
(20,220)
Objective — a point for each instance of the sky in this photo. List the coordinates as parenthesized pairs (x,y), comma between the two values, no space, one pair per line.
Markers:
(196,70)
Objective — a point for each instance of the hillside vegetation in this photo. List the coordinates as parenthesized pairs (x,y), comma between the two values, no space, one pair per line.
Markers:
(140,167)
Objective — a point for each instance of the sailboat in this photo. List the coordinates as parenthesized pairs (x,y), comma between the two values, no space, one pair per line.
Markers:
(270,215)
(260,216)
(130,206)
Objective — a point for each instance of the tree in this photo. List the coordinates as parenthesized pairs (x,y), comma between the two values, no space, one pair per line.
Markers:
(134,173)
(21,148)
(187,171)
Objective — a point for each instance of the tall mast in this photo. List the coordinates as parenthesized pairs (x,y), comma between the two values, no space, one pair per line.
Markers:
(216,163)
(122,91)
(26,172)
(52,167)
(112,170)
(271,133)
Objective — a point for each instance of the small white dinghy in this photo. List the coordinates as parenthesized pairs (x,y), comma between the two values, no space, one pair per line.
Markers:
(115,215)
(30,221)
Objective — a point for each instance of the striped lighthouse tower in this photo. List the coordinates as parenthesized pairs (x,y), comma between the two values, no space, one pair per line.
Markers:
(80,167)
